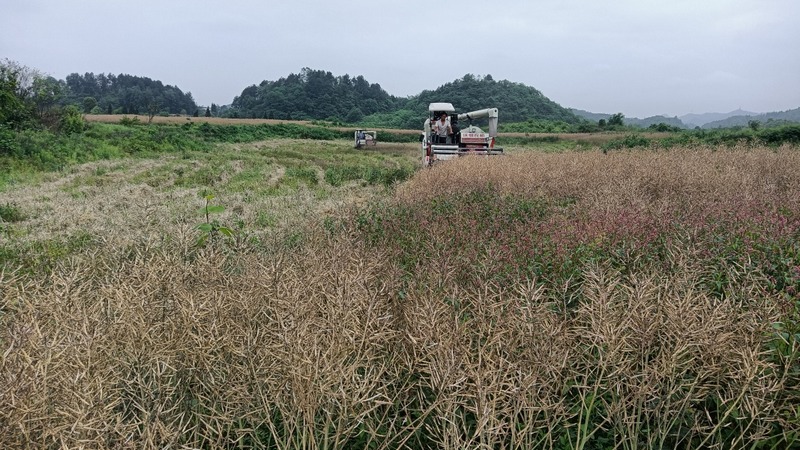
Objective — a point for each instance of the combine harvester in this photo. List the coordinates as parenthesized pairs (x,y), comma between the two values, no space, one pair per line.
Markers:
(364,138)
(469,141)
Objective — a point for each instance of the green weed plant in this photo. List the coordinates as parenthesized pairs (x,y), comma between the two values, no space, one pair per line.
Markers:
(211,228)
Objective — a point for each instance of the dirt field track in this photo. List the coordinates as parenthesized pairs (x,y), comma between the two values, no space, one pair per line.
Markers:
(113,118)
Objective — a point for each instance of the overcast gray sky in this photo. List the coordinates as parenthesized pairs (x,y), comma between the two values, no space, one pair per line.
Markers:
(638,57)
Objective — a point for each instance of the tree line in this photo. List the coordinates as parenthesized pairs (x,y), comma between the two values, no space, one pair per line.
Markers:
(126,94)
(319,95)
(308,95)
(30,99)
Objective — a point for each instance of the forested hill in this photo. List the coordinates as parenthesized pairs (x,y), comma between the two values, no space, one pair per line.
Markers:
(313,94)
(126,94)
(317,94)
(516,101)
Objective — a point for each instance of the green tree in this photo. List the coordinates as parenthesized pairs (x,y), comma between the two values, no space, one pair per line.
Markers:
(24,77)
(152,109)
(208,112)
(47,91)
(616,120)
(89,103)
(13,110)
(71,120)
(354,116)
(28,96)
(371,106)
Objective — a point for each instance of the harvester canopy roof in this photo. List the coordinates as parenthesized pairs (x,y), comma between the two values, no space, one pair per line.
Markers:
(441,107)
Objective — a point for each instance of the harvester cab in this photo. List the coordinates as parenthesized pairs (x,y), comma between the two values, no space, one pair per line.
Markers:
(364,138)
(443,138)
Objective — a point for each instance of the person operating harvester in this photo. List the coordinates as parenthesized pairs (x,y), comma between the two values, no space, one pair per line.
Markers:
(442,128)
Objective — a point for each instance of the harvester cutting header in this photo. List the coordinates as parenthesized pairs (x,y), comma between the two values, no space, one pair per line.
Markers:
(443,139)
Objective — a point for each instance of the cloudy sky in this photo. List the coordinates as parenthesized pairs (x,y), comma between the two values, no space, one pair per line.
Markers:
(638,57)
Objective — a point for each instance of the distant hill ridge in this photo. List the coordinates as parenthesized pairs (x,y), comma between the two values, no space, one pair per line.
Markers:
(737,118)
(776,118)
(644,123)
(698,120)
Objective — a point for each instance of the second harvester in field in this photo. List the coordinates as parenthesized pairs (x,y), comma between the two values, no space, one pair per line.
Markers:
(364,138)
